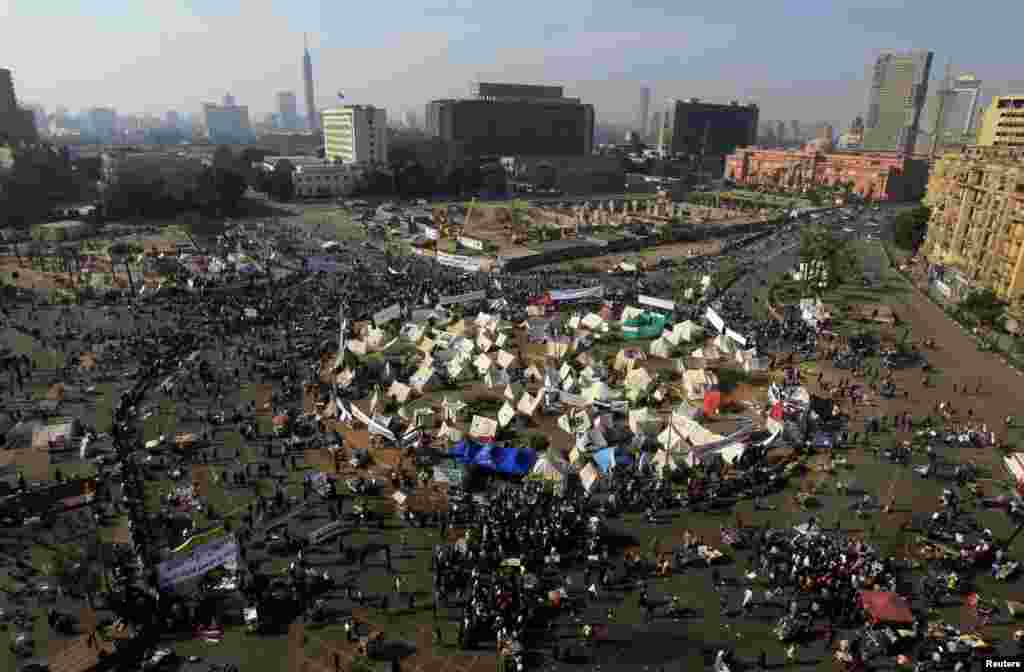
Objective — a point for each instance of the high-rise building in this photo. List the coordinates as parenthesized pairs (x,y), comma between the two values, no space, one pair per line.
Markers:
(101,124)
(665,126)
(15,122)
(227,124)
(229,100)
(795,132)
(171,119)
(955,107)
(312,118)
(356,134)
(655,126)
(899,89)
(644,112)
(287,110)
(411,120)
(1003,123)
(976,232)
(514,120)
(780,132)
(710,129)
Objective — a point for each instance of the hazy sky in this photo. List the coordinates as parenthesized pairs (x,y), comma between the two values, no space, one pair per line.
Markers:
(799,59)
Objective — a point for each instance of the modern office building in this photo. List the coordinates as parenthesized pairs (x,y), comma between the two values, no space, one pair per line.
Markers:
(976,233)
(899,89)
(780,132)
(514,120)
(15,123)
(711,129)
(287,110)
(227,124)
(411,120)
(796,133)
(874,177)
(312,118)
(355,134)
(1003,123)
(643,114)
(956,102)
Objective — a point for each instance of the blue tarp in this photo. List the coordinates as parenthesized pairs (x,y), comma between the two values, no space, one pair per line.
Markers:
(510,460)
(603,458)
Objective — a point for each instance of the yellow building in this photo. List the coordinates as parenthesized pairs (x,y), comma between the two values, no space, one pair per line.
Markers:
(976,232)
(1003,123)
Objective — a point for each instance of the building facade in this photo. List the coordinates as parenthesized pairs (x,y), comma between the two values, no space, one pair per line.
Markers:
(15,122)
(1003,123)
(644,113)
(514,120)
(356,134)
(287,110)
(712,129)
(976,233)
(957,103)
(318,178)
(874,177)
(899,89)
(227,124)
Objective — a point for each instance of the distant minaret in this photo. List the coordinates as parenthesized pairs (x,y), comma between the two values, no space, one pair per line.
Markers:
(307,77)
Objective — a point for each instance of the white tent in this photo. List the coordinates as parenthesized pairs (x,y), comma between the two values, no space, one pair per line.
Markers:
(550,469)
(696,382)
(1015,465)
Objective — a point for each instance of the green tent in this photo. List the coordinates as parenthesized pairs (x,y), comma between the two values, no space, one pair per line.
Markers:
(645,325)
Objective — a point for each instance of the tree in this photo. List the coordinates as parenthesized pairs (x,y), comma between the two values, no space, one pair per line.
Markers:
(910,227)
(827,260)
(987,308)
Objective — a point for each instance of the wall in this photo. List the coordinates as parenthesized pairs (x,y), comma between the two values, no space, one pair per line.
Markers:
(681,234)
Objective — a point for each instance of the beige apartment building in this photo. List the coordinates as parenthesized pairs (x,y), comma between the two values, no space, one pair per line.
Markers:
(1003,123)
(976,232)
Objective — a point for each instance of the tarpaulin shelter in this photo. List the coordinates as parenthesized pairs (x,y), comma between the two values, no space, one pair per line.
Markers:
(606,457)
(505,460)
(886,607)
(713,399)
(645,325)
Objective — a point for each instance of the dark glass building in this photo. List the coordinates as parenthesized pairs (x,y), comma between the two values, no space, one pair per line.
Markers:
(514,120)
(710,128)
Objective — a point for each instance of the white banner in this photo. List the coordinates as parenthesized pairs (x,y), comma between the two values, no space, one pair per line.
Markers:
(431,233)
(468,297)
(388,314)
(198,562)
(472,243)
(736,337)
(468,264)
(655,302)
(714,319)
(577,294)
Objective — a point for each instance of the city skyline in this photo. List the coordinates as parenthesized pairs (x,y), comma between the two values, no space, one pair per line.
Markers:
(604,57)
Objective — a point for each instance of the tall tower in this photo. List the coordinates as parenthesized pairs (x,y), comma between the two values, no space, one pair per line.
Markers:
(644,112)
(899,88)
(307,78)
